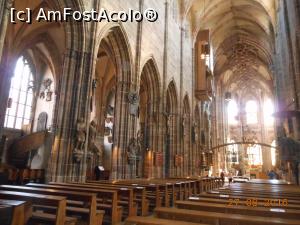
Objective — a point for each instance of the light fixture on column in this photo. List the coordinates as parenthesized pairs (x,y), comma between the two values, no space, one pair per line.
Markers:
(228,96)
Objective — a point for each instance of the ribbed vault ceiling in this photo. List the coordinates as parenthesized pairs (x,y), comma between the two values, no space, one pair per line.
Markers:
(242,36)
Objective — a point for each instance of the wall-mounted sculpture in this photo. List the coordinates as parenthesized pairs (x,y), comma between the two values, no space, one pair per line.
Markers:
(132,151)
(80,140)
(133,99)
(46,91)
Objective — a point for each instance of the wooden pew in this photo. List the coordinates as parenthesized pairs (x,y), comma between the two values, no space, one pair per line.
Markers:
(190,185)
(13,174)
(127,193)
(138,220)
(21,212)
(59,202)
(23,175)
(94,217)
(216,218)
(167,188)
(140,193)
(103,195)
(155,192)
(240,209)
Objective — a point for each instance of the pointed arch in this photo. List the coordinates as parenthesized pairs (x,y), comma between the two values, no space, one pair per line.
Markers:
(172,98)
(149,93)
(171,131)
(150,76)
(113,65)
(115,35)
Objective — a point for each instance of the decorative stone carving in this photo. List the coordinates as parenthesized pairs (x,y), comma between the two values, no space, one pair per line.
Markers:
(94,86)
(80,140)
(92,136)
(80,133)
(183,121)
(78,155)
(132,151)
(140,142)
(133,99)
(46,91)
(42,121)
(169,123)
(94,147)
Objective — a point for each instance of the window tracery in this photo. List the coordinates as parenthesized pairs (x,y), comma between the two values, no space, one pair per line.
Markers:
(18,113)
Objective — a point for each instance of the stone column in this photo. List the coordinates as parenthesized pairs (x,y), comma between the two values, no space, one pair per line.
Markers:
(4,18)
(73,105)
(120,167)
(5,65)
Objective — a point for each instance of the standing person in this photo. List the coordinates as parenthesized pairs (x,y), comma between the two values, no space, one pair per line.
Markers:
(230,178)
(222,175)
(272,175)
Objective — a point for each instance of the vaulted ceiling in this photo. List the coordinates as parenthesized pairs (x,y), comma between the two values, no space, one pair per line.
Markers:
(242,37)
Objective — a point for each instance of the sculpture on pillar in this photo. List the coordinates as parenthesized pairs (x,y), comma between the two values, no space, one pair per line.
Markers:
(93,146)
(169,124)
(94,86)
(183,121)
(80,140)
(140,142)
(92,136)
(132,151)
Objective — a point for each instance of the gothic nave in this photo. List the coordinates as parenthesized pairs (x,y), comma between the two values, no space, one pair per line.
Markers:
(205,94)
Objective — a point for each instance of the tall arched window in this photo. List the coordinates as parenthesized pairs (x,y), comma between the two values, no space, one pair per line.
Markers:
(19,108)
(251,112)
(232,112)
(268,111)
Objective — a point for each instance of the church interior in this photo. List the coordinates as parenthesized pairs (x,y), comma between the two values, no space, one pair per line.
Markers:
(193,118)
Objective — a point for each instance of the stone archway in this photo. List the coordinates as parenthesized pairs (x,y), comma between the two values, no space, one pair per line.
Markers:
(112,77)
(148,119)
(173,156)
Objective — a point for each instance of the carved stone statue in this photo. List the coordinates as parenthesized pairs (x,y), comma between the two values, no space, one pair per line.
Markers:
(80,134)
(183,121)
(140,142)
(169,123)
(94,147)
(132,151)
(78,155)
(92,136)
(80,140)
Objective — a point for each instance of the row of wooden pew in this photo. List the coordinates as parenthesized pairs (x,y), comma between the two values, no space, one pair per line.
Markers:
(95,202)
(21,176)
(238,204)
